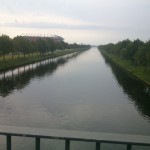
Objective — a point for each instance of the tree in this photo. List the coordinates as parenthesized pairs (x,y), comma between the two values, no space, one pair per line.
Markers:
(51,45)
(41,45)
(33,47)
(5,45)
(142,56)
(133,48)
(22,45)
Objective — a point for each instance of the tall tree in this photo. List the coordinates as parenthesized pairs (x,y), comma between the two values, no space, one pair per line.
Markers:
(5,45)
(22,45)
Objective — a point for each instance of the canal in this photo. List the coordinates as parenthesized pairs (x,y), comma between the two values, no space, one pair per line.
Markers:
(84,92)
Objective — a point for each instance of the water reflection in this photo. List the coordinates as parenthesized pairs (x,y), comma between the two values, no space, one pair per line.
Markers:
(138,93)
(19,78)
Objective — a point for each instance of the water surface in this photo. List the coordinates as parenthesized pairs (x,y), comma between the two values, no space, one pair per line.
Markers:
(76,92)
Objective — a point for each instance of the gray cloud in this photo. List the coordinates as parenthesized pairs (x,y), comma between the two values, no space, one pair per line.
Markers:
(47,25)
(118,17)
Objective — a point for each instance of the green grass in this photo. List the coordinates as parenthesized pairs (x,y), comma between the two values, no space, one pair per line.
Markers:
(140,72)
(9,63)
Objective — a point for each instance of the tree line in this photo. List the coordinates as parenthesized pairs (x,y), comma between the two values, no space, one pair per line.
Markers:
(137,51)
(22,45)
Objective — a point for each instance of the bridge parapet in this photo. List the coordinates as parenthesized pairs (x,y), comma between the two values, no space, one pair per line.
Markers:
(69,135)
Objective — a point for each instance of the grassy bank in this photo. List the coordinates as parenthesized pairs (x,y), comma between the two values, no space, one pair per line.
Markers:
(9,63)
(139,72)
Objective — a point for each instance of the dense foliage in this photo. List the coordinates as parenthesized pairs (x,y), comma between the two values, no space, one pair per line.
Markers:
(22,45)
(5,45)
(137,51)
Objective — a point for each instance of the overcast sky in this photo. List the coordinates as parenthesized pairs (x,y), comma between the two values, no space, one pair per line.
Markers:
(81,21)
